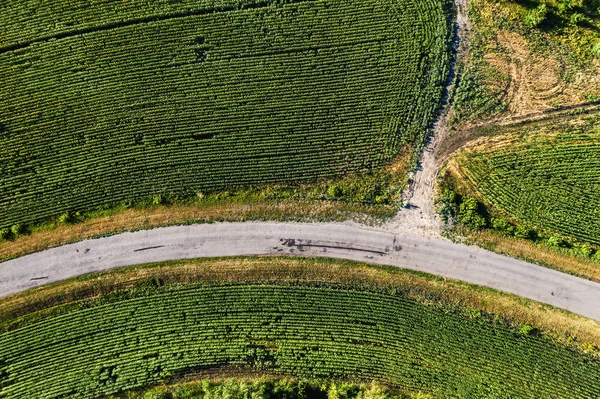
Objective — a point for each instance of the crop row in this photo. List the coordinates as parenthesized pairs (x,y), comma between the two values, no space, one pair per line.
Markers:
(285,92)
(303,331)
(552,184)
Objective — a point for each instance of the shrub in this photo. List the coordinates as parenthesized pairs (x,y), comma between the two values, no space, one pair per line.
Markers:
(158,393)
(5,234)
(16,230)
(334,191)
(524,232)
(469,215)
(526,329)
(64,218)
(374,392)
(555,241)
(503,227)
(577,18)
(535,17)
(189,391)
(157,200)
(585,250)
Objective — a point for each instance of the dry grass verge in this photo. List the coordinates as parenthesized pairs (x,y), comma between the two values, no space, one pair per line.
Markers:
(140,219)
(562,326)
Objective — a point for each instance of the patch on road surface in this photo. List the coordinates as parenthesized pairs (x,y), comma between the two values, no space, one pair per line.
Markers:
(325,245)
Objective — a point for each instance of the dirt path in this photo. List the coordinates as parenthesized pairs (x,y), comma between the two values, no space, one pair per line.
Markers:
(419,217)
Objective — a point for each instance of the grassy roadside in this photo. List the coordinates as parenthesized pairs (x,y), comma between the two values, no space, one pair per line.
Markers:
(536,253)
(168,215)
(366,197)
(471,301)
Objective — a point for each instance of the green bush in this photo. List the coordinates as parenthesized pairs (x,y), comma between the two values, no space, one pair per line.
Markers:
(374,392)
(555,241)
(535,17)
(584,250)
(526,329)
(577,18)
(503,227)
(16,230)
(5,234)
(524,232)
(334,191)
(468,214)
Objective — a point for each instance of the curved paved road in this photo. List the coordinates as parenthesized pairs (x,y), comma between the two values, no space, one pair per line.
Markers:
(346,241)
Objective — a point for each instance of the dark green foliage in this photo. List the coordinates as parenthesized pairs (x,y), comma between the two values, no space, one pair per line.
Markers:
(5,234)
(122,101)
(448,204)
(470,215)
(524,232)
(308,331)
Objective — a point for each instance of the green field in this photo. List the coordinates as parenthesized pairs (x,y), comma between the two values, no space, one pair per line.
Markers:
(546,177)
(106,105)
(77,341)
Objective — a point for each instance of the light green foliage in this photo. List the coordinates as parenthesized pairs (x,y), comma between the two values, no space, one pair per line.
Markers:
(577,18)
(16,230)
(5,234)
(502,226)
(526,329)
(127,341)
(120,101)
(549,180)
(555,241)
(537,16)
(374,392)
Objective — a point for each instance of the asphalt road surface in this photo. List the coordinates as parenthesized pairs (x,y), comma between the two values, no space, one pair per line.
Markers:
(344,241)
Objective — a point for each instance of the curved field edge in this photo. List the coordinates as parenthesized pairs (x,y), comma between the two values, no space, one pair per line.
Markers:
(533,182)
(143,131)
(401,335)
(466,299)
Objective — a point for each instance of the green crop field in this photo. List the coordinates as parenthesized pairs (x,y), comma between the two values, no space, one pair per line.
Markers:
(307,329)
(546,177)
(125,100)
